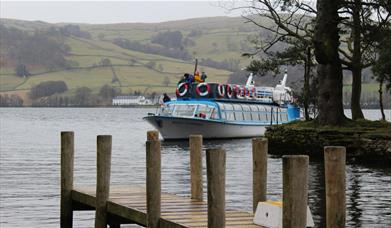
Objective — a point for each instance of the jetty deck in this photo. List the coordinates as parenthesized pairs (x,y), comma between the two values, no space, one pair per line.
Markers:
(128,203)
(148,206)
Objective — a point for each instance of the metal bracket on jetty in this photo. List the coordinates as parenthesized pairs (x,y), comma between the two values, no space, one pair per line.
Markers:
(149,207)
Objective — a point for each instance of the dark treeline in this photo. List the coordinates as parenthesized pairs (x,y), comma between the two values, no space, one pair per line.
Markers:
(176,53)
(10,100)
(83,97)
(68,30)
(47,88)
(169,39)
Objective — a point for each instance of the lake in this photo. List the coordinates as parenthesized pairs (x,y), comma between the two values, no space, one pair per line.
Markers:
(30,167)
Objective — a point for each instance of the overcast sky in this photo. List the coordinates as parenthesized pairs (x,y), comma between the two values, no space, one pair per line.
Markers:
(112,12)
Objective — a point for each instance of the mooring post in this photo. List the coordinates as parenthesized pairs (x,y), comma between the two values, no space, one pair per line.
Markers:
(153,183)
(259,170)
(152,135)
(103,163)
(295,191)
(215,169)
(334,164)
(195,142)
(67,161)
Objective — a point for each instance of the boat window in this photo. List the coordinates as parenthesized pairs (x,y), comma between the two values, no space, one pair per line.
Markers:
(206,112)
(237,107)
(246,112)
(229,116)
(254,112)
(254,108)
(184,110)
(226,106)
(255,116)
(238,116)
(166,110)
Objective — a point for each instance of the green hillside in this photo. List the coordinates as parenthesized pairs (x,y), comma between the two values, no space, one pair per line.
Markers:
(219,38)
(97,59)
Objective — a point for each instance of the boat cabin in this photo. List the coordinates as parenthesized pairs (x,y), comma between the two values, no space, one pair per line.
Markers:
(226,111)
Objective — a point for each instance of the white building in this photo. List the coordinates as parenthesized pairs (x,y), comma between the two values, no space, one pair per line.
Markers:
(131,100)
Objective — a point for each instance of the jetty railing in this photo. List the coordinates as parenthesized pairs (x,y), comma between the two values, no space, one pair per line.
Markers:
(148,206)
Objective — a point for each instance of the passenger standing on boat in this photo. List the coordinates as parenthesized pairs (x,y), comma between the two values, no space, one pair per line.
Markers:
(190,79)
(166,98)
(200,78)
(203,76)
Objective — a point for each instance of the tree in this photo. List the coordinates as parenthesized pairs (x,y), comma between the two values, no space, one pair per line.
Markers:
(105,62)
(47,88)
(169,39)
(151,64)
(329,69)
(82,96)
(382,70)
(362,23)
(21,70)
(288,39)
(107,92)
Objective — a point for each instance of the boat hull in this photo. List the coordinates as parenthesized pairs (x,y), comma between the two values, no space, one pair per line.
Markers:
(182,128)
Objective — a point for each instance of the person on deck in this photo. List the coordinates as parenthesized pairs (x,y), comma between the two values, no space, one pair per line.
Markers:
(197,77)
(166,98)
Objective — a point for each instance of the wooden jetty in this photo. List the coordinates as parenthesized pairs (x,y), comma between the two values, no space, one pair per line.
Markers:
(148,206)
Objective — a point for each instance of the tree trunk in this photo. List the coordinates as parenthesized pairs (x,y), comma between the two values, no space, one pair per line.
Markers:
(356,63)
(383,116)
(326,42)
(307,71)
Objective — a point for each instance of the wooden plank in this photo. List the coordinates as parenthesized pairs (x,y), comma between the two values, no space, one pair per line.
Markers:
(259,146)
(295,191)
(102,179)
(67,164)
(153,183)
(215,169)
(176,211)
(195,144)
(334,164)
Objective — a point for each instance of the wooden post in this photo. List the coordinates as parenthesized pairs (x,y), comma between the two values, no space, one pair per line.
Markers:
(215,166)
(334,164)
(153,183)
(295,188)
(195,142)
(152,135)
(103,163)
(259,170)
(67,161)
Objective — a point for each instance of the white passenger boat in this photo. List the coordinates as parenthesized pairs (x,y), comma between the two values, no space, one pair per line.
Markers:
(224,111)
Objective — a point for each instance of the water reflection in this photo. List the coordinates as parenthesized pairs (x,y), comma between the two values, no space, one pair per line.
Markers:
(354,210)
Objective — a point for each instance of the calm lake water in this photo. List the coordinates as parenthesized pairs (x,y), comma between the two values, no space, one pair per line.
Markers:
(30,167)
